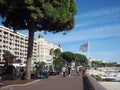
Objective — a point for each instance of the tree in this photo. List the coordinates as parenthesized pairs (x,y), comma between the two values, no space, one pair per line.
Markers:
(8,57)
(75,57)
(59,63)
(40,64)
(48,15)
(82,59)
(68,56)
(57,53)
(52,54)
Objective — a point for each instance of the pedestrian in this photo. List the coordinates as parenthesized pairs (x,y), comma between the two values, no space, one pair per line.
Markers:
(83,71)
(1,82)
(22,73)
(64,71)
(78,69)
(69,71)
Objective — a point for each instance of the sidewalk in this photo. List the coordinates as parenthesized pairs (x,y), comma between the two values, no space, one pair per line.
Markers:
(53,83)
(111,85)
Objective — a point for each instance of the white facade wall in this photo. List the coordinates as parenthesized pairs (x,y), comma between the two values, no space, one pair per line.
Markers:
(14,42)
(43,50)
(17,44)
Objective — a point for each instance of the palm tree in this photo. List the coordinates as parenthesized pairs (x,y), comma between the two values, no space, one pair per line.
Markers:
(8,57)
(55,54)
(52,54)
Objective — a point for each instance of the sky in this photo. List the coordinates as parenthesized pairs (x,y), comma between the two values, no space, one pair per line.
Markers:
(96,22)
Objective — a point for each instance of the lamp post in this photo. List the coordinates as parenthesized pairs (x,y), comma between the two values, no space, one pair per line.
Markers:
(52,54)
(39,54)
(52,60)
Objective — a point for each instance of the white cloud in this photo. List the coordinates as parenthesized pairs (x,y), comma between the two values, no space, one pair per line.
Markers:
(105,12)
(92,33)
(104,16)
(92,25)
(106,56)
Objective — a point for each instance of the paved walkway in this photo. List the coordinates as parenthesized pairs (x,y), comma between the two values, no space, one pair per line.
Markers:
(111,85)
(53,83)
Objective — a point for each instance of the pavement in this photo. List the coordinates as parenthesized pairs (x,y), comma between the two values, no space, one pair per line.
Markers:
(57,82)
(111,85)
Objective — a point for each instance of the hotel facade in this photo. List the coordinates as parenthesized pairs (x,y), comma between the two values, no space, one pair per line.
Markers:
(17,44)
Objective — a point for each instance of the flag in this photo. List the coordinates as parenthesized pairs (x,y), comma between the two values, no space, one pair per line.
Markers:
(84,47)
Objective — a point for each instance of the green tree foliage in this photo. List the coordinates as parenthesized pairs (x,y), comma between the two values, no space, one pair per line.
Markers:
(57,53)
(74,57)
(95,63)
(79,58)
(68,56)
(51,51)
(8,57)
(48,15)
(59,63)
(40,64)
(55,56)
(102,64)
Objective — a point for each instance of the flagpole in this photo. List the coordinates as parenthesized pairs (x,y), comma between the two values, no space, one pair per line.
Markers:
(89,57)
(89,54)
(86,48)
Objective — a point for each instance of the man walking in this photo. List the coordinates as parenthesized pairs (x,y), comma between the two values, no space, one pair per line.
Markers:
(63,71)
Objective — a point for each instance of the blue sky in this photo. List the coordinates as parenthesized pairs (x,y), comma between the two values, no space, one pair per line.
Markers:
(97,21)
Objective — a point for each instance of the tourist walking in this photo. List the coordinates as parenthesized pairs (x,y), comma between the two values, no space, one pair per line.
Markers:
(83,71)
(22,73)
(69,71)
(78,69)
(64,71)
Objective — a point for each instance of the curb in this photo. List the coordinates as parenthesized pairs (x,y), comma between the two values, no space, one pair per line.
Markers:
(20,84)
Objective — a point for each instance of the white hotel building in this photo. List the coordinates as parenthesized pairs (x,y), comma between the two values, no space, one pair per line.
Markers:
(17,43)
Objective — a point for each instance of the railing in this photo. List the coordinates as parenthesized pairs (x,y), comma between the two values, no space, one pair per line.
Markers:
(89,83)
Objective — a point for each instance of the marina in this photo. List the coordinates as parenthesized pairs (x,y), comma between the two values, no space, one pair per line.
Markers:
(107,73)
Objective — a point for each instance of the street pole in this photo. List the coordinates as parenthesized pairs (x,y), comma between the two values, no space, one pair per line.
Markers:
(89,57)
(52,60)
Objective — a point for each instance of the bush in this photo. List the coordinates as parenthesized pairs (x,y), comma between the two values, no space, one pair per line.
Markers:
(10,70)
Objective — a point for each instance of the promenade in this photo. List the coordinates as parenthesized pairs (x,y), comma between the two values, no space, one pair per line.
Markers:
(57,82)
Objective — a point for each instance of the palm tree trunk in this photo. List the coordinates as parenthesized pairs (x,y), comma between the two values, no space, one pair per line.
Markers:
(29,53)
